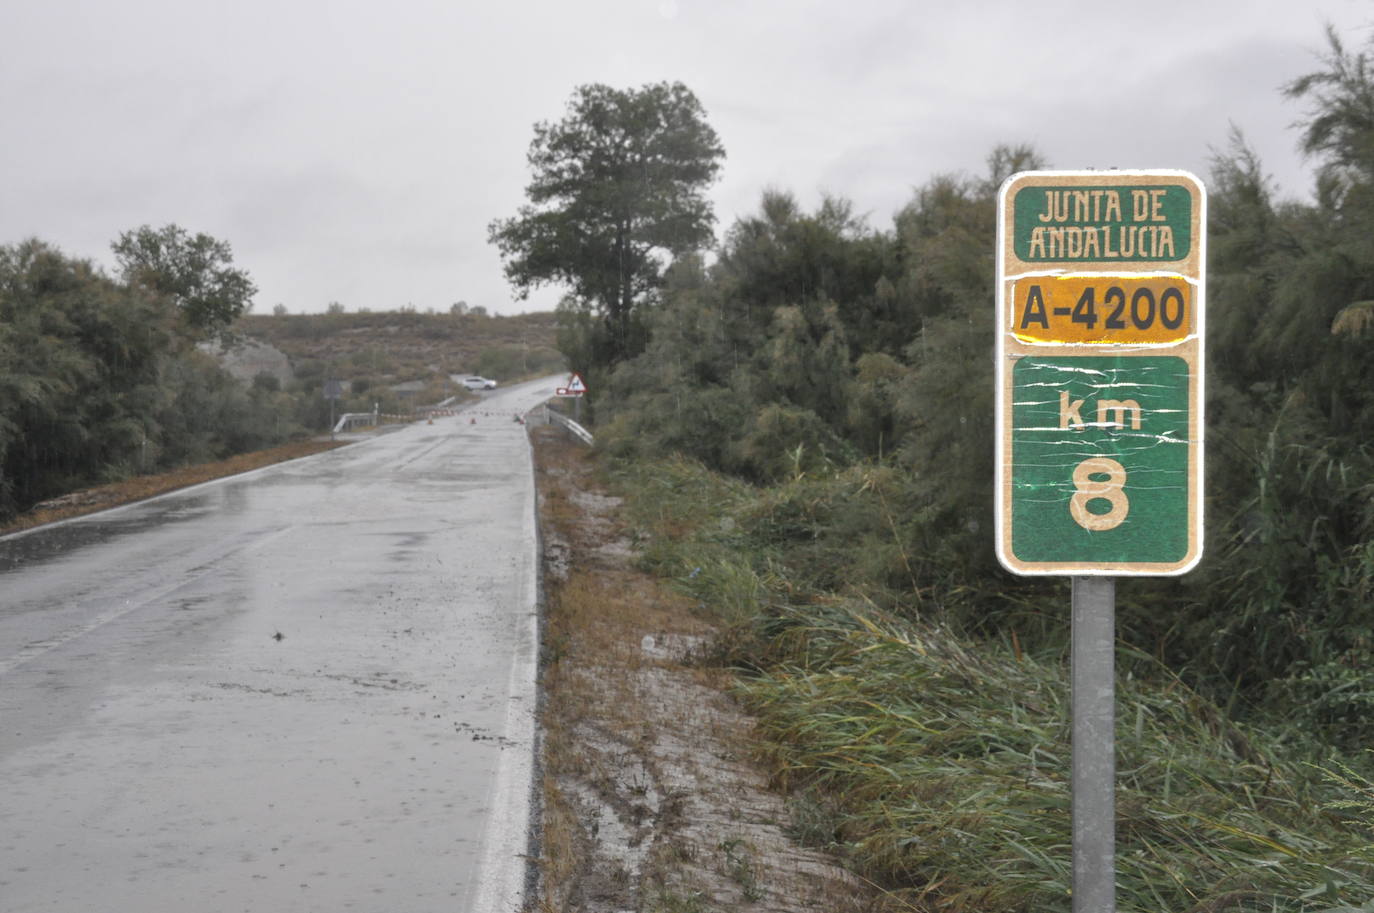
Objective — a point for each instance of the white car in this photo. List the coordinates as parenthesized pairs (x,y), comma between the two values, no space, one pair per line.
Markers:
(479,383)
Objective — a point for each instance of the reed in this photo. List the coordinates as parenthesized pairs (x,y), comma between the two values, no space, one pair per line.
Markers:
(937,763)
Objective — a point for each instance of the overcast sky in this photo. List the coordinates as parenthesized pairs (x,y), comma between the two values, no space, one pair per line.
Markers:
(356,151)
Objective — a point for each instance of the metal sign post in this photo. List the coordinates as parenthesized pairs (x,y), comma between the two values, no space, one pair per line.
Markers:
(1100,318)
(576,388)
(333,390)
(1093,774)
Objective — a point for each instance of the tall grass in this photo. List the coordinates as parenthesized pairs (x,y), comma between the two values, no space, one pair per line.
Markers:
(1283,606)
(947,766)
(938,764)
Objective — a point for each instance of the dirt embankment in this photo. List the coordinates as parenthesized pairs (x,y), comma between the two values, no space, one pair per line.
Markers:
(651,801)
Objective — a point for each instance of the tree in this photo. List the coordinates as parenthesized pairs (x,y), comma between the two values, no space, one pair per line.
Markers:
(618,184)
(1340,125)
(80,362)
(195,273)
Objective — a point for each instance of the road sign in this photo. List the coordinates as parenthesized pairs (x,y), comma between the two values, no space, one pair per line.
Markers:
(576,387)
(1100,318)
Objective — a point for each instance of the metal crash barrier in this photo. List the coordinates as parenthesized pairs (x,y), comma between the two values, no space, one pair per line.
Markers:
(578,431)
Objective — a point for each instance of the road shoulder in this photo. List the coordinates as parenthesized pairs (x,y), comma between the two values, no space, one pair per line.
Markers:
(651,799)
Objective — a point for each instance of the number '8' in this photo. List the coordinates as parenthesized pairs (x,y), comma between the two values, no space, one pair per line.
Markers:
(1086,489)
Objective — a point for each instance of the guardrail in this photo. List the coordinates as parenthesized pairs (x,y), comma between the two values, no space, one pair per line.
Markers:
(348,419)
(581,433)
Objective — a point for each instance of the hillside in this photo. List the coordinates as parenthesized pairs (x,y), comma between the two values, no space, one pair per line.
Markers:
(387,348)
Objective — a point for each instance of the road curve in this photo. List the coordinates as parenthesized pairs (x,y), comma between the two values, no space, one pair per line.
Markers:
(310,687)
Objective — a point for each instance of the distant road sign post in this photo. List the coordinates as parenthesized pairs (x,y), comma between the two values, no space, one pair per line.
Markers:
(1100,320)
(333,391)
(575,389)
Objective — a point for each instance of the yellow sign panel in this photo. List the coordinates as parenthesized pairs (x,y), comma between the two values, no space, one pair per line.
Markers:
(1102,309)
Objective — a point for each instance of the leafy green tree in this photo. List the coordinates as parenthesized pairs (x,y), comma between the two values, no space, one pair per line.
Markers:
(196,273)
(98,380)
(872,417)
(943,403)
(80,359)
(806,361)
(782,257)
(1278,612)
(619,184)
(1339,127)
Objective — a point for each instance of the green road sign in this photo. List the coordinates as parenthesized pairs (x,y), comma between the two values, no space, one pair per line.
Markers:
(1079,423)
(1099,350)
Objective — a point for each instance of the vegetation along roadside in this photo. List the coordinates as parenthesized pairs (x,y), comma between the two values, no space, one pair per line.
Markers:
(936,764)
(800,426)
(104,378)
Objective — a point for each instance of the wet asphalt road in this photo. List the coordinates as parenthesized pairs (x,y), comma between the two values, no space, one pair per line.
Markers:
(305,688)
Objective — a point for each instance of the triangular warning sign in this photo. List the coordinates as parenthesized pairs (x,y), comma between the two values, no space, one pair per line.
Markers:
(577,385)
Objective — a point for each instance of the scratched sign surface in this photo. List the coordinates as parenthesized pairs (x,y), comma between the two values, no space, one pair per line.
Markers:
(1099,352)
